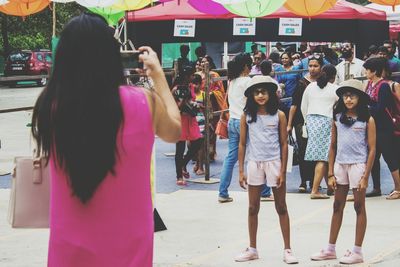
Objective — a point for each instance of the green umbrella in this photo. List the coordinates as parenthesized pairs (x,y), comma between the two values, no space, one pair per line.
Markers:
(111,14)
(255,8)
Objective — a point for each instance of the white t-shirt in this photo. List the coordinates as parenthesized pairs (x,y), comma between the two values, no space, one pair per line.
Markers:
(236,97)
(356,69)
(319,101)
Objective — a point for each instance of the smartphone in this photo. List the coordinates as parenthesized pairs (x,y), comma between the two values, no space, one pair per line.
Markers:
(130,60)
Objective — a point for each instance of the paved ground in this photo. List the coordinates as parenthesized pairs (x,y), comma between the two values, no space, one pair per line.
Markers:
(202,232)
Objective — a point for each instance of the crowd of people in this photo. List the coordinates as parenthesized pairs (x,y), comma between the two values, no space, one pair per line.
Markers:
(307,81)
(100,176)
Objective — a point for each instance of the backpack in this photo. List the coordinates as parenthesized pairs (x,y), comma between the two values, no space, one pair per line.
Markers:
(394,112)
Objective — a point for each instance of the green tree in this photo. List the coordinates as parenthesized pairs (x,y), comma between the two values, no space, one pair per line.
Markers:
(34,31)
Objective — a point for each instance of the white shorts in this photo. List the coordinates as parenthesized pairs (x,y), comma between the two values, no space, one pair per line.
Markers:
(349,173)
(261,172)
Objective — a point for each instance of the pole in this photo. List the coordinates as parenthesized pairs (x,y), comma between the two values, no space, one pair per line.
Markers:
(225,58)
(207,122)
(54,19)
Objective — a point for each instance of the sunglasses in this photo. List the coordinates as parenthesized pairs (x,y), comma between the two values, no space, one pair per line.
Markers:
(315,56)
(256,92)
(349,95)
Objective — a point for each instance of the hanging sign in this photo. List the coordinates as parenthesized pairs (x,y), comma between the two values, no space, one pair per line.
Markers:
(184,28)
(290,26)
(244,26)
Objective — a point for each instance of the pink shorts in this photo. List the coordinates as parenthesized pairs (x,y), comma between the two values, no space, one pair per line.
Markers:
(261,172)
(349,173)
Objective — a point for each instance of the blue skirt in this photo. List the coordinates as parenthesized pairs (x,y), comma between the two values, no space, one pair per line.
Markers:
(319,138)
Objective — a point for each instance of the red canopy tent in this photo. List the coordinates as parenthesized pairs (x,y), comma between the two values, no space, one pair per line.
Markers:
(183,10)
(345,21)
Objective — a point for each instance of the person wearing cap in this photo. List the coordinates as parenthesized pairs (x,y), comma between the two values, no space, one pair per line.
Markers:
(351,157)
(263,134)
(317,107)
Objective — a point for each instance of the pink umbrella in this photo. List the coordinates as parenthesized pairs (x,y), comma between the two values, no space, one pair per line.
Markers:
(208,7)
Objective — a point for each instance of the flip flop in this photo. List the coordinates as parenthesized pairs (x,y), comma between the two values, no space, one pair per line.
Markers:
(394,195)
(199,172)
(181,182)
(319,196)
(186,174)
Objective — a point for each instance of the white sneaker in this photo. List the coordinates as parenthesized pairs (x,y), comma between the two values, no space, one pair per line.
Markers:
(324,255)
(351,257)
(288,257)
(247,255)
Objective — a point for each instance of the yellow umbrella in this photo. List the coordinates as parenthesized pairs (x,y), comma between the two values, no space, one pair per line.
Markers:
(392,3)
(24,7)
(309,8)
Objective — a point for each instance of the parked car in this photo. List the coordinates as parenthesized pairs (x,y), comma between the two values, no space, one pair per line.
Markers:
(28,62)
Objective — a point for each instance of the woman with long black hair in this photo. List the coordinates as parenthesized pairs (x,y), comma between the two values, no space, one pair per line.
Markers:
(97,136)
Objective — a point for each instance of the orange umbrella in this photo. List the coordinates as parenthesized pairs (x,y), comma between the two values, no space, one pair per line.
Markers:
(392,3)
(309,8)
(24,8)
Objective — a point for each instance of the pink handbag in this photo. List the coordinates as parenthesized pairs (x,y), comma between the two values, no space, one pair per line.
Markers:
(30,194)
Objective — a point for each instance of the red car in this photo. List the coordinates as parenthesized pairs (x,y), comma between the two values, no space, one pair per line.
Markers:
(28,62)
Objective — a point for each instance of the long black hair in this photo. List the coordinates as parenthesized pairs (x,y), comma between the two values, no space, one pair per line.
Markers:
(237,65)
(361,108)
(251,107)
(328,72)
(77,117)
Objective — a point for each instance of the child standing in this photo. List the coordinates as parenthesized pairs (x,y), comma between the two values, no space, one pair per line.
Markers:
(263,132)
(351,158)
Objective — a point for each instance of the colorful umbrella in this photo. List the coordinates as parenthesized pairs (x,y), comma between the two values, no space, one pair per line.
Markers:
(309,8)
(208,7)
(23,9)
(255,8)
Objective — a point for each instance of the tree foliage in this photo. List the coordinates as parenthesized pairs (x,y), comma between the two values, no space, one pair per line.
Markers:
(34,31)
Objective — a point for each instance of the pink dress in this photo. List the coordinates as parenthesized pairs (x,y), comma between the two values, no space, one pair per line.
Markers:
(190,127)
(115,228)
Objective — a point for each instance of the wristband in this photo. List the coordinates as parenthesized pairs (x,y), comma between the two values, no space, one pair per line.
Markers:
(331,176)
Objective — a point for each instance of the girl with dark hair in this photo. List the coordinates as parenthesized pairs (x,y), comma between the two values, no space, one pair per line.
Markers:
(317,107)
(351,157)
(185,98)
(264,136)
(97,136)
(296,120)
(238,75)
(217,97)
(387,144)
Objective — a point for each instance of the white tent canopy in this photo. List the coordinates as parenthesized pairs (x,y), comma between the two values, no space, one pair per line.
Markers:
(392,16)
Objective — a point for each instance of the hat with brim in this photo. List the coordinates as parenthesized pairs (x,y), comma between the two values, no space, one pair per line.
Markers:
(353,86)
(261,81)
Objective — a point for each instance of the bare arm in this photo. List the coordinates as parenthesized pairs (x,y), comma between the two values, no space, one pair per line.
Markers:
(167,119)
(371,133)
(242,150)
(283,139)
(292,111)
(332,157)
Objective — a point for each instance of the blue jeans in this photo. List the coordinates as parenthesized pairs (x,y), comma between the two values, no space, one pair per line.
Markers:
(232,158)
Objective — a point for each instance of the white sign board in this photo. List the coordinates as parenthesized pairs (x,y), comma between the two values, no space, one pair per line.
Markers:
(290,26)
(244,26)
(184,28)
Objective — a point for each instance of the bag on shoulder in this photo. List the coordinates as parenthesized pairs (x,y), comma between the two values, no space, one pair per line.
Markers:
(394,112)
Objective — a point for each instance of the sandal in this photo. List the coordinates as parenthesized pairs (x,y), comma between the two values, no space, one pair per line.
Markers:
(200,172)
(195,168)
(185,174)
(318,196)
(394,195)
(181,182)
